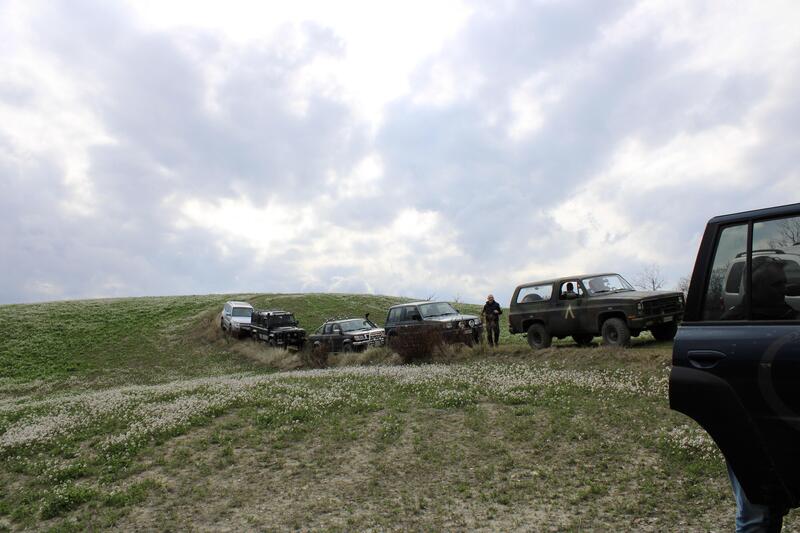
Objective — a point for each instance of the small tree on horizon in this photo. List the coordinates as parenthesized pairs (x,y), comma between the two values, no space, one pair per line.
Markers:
(650,278)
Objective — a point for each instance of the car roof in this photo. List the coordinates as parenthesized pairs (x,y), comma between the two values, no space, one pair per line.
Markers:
(567,278)
(334,321)
(274,311)
(777,211)
(240,304)
(420,302)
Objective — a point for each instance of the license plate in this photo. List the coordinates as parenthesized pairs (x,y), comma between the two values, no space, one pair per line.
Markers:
(668,319)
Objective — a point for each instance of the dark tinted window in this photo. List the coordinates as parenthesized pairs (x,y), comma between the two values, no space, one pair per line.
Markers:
(732,242)
(409,313)
(734,280)
(394,314)
(776,251)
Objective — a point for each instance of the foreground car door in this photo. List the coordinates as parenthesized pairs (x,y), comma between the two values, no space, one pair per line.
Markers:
(736,368)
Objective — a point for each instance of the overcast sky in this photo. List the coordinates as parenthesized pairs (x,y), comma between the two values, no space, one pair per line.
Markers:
(412,148)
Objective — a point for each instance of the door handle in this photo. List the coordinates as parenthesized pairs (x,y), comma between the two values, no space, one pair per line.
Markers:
(705,358)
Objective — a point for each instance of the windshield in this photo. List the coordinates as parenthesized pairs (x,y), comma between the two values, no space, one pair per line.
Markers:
(356,324)
(437,309)
(242,311)
(282,320)
(606,283)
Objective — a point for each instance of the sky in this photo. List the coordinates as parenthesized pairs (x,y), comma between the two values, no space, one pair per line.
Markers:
(440,150)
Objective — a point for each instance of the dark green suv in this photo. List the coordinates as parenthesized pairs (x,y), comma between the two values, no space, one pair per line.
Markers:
(583,307)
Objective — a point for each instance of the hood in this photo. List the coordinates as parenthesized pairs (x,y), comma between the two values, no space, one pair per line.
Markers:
(451,318)
(286,329)
(637,295)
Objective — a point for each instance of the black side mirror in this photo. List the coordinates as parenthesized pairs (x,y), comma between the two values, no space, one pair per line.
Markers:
(416,317)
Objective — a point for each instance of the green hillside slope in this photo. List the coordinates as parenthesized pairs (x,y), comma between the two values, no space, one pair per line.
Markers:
(175,333)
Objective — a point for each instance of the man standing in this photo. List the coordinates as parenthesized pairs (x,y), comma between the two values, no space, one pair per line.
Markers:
(491,315)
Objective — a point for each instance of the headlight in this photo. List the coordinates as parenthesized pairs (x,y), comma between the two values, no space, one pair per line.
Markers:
(448,325)
(471,323)
(360,337)
(640,308)
(680,299)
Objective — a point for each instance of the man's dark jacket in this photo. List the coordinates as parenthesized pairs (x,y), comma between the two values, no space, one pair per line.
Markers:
(489,311)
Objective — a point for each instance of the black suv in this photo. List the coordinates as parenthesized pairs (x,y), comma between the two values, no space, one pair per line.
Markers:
(277,328)
(348,335)
(586,306)
(439,319)
(736,362)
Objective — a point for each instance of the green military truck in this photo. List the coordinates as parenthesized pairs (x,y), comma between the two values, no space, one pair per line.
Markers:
(583,307)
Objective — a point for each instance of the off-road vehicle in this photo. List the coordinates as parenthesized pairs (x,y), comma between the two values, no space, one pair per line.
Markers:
(347,335)
(583,307)
(278,329)
(736,357)
(434,319)
(235,318)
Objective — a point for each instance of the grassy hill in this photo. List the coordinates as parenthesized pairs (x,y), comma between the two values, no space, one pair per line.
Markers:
(138,414)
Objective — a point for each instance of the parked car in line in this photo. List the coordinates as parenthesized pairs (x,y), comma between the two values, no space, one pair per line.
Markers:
(598,304)
(348,335)
(439,318)
(277,328)
(736,361)
(235,318)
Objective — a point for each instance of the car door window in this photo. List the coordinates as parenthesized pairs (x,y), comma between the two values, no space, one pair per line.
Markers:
(731,249)
(775,272)
(570,290)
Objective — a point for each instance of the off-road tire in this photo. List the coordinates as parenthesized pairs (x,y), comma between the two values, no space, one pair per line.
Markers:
(347,347)
(664,332)
(616,332)
(272,344)
(583,339)
(539,337)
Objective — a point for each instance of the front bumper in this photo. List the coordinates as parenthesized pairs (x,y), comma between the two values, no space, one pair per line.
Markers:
(369,343)
(637,322)
(466,335)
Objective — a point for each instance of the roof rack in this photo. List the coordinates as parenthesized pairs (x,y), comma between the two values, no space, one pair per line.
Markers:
(768,251)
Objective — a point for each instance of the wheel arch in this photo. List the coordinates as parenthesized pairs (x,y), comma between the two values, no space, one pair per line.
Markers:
(527,323)
(602,317)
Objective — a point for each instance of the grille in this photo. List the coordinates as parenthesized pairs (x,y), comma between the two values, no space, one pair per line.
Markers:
(662,306)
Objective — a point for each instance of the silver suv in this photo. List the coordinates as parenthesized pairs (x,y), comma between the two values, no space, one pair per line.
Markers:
(734,285)
(235,318)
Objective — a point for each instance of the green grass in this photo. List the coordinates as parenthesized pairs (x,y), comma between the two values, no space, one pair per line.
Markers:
(137,413)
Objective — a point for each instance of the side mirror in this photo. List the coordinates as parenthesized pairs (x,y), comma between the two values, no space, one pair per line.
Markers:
(416,317)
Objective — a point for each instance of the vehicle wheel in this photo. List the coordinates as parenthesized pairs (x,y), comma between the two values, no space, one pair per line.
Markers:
(272,343)
(583,339)
(538,337)
(347,347)
(664,332)
(221,324)
(616,333)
